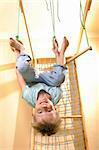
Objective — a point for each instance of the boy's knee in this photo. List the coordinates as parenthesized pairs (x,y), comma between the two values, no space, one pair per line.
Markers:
(22,63)
(52,78)
(56,79)
(23,67)
(59,79)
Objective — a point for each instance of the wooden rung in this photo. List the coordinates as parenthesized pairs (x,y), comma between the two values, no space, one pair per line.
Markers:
(72,116)
(78,54)
(45,60)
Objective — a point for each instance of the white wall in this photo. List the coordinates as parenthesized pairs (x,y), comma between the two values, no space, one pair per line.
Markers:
(88,75)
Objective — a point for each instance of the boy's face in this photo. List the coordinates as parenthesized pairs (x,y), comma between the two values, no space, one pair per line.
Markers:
(44,109)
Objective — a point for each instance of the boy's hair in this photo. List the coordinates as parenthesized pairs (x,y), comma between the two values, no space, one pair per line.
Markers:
(47,127)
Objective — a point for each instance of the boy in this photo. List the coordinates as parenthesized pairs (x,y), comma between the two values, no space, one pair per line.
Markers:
(43,91)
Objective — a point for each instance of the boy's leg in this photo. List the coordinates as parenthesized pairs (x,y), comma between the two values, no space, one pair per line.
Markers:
(25,68)
(57,76)
(60,53)
(23,61)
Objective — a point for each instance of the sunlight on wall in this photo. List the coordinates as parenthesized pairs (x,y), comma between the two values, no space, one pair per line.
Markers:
(8,107)
(8,56)
(88,77)
(87,71)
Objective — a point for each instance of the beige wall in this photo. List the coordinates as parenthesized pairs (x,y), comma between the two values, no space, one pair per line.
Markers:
(15,114)
(88,75)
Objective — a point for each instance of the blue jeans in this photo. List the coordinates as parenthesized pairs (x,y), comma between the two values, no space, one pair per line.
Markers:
(52,78)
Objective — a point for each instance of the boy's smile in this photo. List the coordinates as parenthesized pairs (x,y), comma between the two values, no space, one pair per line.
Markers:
(44,109)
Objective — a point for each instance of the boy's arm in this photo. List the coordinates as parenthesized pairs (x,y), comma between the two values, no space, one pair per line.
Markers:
(20,79)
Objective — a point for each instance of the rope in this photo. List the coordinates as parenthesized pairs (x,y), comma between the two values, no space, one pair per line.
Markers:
(58,10)
(82,20)
(46,5)
(52,16)
(52,10)
(22,9)
(17,35)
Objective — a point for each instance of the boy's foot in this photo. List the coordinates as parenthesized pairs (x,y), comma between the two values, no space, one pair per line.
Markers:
(64,46)
(16,45)
(55,46)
